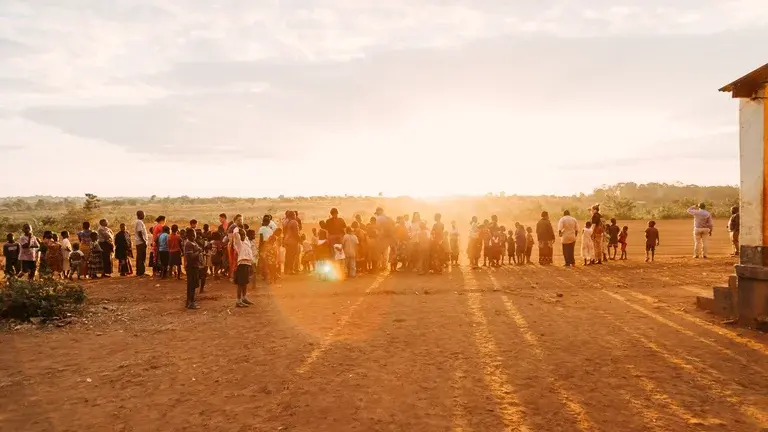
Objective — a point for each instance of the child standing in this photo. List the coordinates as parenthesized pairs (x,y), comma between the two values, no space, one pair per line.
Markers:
(242,247)
(511,247)
(95,258)
(651,241)
(623,242)
(162,251)
(66,251)
(192,258)
(454,241)
(494,249)
(349,243)
(11,253)
(529,242)
(28,252)
(307,255)
(521,242)
(55,257)
(76,259)
(174,251)
(587,244)
(613,238)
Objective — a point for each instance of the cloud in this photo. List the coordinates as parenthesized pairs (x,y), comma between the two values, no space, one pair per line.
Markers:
(278,109)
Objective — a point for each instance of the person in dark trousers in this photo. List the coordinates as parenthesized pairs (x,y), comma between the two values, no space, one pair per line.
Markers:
(28,254)
(192,254)
(568,228)
(140,234)
(11,254)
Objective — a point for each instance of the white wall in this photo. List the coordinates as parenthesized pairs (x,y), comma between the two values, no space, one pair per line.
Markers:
(752,153)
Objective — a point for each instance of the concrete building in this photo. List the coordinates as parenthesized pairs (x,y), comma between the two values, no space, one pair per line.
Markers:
(746,296)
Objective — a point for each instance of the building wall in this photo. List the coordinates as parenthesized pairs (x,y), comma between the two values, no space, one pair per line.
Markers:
(752,145)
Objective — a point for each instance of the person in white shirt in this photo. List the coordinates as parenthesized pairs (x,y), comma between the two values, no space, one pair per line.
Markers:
(244,255)
(66,252)
(141,239)
(567,228)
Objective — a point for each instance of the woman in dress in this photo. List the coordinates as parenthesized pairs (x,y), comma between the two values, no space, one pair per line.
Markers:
(55,256)
(546,237)
(123,251)
(474,244)
(84,237)
(95,259)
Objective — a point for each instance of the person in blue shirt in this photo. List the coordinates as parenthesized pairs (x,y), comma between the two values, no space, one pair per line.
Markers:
(162,251)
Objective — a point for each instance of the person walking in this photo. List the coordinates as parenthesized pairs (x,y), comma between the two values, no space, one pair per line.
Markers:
(140,234)
(702,229)
(567,228)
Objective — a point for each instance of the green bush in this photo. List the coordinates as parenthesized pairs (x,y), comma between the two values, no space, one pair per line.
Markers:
(22,299)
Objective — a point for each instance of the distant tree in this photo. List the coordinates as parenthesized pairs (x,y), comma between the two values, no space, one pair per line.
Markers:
(153,197)
(381,194)
(40,204)
(92,202)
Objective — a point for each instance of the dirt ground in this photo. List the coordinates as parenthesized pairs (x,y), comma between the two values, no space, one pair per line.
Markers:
(618,347)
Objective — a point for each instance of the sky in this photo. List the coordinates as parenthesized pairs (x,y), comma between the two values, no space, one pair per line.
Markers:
(429,97)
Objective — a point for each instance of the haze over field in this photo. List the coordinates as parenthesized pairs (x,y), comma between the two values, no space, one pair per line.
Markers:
(249,98)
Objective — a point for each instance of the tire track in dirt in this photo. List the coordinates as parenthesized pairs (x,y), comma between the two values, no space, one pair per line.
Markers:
(652,391)
(606,362)
(329,338)
(572,404)
(698,321)
(723,389)
(271,414)
(510,409)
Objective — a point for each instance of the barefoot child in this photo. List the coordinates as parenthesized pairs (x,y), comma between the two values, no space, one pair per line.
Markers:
(11,253)
(529,242)
(192,259)
(587,244)
(244,254)
(651,241)
(76,259)
(613,238)
(511,247)
(623,242)
(66,251)
(454,241)
(521,243)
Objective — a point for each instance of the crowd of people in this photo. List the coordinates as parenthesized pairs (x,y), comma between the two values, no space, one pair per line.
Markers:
(242,253)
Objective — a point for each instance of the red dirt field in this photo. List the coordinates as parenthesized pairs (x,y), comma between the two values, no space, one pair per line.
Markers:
(618,347)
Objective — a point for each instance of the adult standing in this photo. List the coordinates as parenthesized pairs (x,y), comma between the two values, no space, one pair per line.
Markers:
(291,239)
(156,231)
(474,243)
(84,237)
(140,238)
(107,245)
(336,228)
(567,228)
(545,235)
(386,231)
(597,232)
(734,224)
(702,229)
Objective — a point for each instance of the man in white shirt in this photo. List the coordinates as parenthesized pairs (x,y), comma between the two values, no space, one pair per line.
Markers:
(140,240)
(567,227)
(702,229)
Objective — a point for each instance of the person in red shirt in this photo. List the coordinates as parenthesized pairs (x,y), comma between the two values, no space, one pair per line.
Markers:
(155,233)
(174,251)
